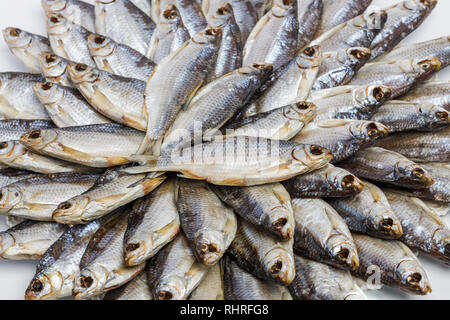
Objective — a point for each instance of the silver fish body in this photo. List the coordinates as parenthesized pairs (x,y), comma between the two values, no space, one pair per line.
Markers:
(261,7)
(262,255)
(290,84)
(68,40)
(214,105)
(317,281)
(154,222)
(248,161)
(116,97)
(144,5)
(267,206)
(119,59)
(403,116)
(136,289)
(382,165)
(79,12)
(102,145)
(212,286)
(420,146)
(392,262)
(10,175)
(274,38)
(208,224)
(440,189)
(66,106)
(342,137)
(403,18)
(26,47)
(329,181)
(102,267)
(54,69)
(309,13)
(111,191)
(322,235)
(14,129)
(125,23)
(339,67)
(400,75)
(241,285)
(35,198)
(175,272)
(422,228)
(29,239)
(369,212)
(434,92)
(349,102)
(175,81)
(17,99)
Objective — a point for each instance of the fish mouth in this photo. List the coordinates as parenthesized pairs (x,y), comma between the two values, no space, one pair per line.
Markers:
(352,183)
(423,177)
(415,282)
(344,254)
(171,289)
(135,253)
(209,252)
(281,223)
(280,266)
(46,287)
(89,283)
(70,211)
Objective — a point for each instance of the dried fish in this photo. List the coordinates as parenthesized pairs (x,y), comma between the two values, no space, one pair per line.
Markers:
(208,224)
(14,129)
(144,5)
(349,102)
(79,12)
(119,59)
(267,206)
(339,67)
(66,106)
(118,98)
(239,161)
(212,286)
(35,198)
(29,239)
(125,23)
(342,137)
(369,212)
(329,181)
(434,92)
(101,145)
(54,69)
(261,7)
(403,18)
(309,13)
(26,46)
(420,146)
(274,38)
(322,235)
(318,281)
(153,223)
(175,272)
(17,99)
(10,175)
(382,165)
(136,289)
(392,262)
(111,191)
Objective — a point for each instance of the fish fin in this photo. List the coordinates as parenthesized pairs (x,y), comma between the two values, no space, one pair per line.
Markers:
(146,145)
(142,169)
(187,175)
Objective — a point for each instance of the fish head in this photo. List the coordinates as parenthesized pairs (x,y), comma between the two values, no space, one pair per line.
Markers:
(38,139)
(48,93)
(208,36)
(51,64)
(6,242)
(100,46)
(171,288)
(300,111)
(343,180)
(210,246)
(71,211)
(310,57)
(383,222)
(343,251)
(313,156)
(279,265)
(280,218)
(420,5)
(10,196)
(440,244)
(82,73)
(372,95)
(57,24)
(90,282)
(137,250)
(45,285)
(169,19)
(17,38)
(411,277)
(371,20)
(259,71)
(54,5)
(357,56)
(222,16)
(283,8)
(411,173)
(368,130)
(421,69)
(434,116)
(7,149)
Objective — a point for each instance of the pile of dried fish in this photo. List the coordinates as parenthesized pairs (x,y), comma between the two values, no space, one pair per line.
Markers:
(242,149)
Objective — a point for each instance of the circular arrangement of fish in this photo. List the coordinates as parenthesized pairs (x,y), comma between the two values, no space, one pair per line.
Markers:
(241,149)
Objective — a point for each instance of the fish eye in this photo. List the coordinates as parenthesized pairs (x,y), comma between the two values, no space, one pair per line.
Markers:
(442,115)
(132,247)
(387,223)
(358,54)
(343,254)
(378,94)
(316,150)
(65,205)
(310,51)
(35,134)
(15,32)
(303,105)
(348,181)
(81,67)
(426,66)
(288,2)
(170,14)
(418,172)
(37,286)
(165,295)
(280,223)
(47,86)
(99,39)
(86,282)
(50,58)
(414,278)
(1,195)
(3,145)
(54,19)
(222,11)
(372,130)
(212,32)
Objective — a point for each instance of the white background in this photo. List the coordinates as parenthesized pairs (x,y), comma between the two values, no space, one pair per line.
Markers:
(28,15)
